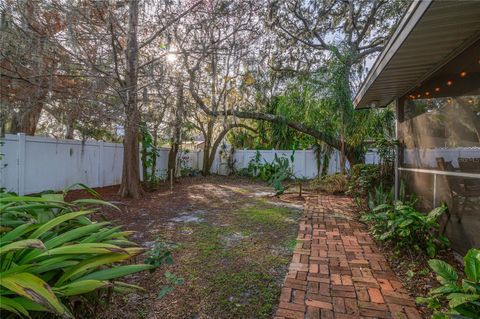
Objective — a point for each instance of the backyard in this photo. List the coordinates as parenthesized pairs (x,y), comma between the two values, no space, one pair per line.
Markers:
(231,243)
(204,159)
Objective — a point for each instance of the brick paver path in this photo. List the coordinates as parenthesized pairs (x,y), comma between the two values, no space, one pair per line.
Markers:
(337,270)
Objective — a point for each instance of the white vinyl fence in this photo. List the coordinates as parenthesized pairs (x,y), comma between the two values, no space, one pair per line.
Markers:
(31,164)
(304,164)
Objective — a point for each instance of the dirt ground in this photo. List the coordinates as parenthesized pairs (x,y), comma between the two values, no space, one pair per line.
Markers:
(231,243)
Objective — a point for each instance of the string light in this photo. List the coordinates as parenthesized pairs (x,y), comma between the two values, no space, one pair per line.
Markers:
(437,89)
(463,74)
(427,93)
(449,82)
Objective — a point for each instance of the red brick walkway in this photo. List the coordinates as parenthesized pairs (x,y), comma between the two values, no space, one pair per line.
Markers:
(337,270)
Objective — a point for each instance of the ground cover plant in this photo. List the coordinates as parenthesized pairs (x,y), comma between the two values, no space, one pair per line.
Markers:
(405,228)
(462,297)
(52,253)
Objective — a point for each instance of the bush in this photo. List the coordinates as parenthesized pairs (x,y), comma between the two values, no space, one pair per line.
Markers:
(380,197)
(274,173)
(463,297)
(363,178)
(406,228)
(51,251)
(332,184)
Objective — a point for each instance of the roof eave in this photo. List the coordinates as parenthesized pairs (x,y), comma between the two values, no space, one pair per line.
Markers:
(407,24)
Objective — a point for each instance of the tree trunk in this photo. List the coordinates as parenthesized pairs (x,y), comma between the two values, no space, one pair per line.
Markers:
(213,151)
(352,157)
(71,118)
(325,163)
(207,147)
(172,158)
(144,161)
(177,131)
(26,122)
(154,160)
(342,155)
(219,139)
(131,186)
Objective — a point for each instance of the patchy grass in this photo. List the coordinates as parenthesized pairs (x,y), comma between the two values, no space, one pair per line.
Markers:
(233,261)
(265,216)
(237,264)
(290,243)
(245,294)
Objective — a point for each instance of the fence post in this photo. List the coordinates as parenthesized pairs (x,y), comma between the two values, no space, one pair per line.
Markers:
(304,163)
(101,163)
(21,164)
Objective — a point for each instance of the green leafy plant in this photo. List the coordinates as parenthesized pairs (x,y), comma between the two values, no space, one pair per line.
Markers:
(185,166)
(160,254)
(407,228)
(172,282)
(363,178)
(274,173)
(280,171)
(254,165)
(149,155)
(463,296)
(381,197)
(51,251)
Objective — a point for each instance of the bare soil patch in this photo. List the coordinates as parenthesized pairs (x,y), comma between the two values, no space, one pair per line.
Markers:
(231,242)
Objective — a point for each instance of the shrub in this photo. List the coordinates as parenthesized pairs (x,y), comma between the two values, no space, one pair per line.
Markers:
(406,228)
(381,196)
(363,178)
(463,296)
(274,173)
(280,171)
(254,165)
(332,184)
(50,251)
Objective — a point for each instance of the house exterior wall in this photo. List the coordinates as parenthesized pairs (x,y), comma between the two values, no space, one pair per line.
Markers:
(438,126)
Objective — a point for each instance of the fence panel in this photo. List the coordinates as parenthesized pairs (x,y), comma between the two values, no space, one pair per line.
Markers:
(31,164)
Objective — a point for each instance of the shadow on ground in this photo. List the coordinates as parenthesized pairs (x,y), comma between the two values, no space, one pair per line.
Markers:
(231,244)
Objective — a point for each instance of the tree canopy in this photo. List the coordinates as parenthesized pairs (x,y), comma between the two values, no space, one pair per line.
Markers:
(264,74)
